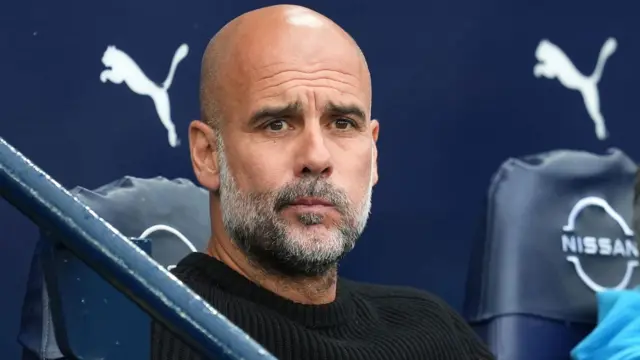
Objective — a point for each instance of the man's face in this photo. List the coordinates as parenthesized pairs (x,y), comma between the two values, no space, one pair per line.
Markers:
(303,227)
(296,156)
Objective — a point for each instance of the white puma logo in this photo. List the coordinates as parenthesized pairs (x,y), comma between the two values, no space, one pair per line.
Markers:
(122,68)
(554,63)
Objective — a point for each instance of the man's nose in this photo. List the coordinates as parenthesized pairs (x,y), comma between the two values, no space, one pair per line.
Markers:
(313,156)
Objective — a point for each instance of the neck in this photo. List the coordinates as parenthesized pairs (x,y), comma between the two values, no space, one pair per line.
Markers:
(309,290)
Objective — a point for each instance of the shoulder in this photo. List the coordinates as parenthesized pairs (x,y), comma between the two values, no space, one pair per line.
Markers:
(405,301)
(424,310)
(397,293)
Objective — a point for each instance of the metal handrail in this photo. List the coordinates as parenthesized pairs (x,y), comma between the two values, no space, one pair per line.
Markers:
(120,262)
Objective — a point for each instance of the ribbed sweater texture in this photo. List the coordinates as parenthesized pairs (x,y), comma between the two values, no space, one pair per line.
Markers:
(365,322)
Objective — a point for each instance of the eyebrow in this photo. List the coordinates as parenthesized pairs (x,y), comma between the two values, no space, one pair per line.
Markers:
(270,112)
(346,110)
(295,109)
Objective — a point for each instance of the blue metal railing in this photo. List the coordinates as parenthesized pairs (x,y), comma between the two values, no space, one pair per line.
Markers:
(121,262)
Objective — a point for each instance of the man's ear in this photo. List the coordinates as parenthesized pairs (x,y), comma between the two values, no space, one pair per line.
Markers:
(202,145)
(375,130)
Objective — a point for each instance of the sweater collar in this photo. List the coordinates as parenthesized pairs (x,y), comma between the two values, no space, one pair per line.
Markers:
(341,310)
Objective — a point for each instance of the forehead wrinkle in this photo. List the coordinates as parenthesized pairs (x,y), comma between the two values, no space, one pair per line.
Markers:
(279,93)
(319,75)
(272,93)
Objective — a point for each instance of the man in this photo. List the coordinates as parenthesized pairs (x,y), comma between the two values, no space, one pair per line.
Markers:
(287,148)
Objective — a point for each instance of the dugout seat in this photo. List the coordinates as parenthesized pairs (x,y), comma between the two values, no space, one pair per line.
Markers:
(71,312)
(558,230)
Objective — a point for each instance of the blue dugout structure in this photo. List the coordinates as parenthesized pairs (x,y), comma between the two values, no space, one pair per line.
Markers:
(119,261)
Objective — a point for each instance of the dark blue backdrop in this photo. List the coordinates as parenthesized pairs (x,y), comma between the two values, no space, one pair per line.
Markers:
(453,88)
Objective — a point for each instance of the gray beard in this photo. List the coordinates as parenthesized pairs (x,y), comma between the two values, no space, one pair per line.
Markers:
(254,224)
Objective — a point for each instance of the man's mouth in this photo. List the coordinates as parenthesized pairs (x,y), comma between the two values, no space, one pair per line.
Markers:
(312,202)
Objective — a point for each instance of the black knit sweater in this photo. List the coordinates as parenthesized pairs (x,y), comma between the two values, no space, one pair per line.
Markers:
(364,322)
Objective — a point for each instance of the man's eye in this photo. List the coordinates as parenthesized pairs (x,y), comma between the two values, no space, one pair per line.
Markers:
(277,125)
(344,124)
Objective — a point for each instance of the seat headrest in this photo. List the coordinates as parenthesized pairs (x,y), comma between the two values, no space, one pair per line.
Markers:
(133,205)
(558,230)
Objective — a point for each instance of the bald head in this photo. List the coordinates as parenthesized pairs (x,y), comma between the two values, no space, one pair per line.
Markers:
(267,37)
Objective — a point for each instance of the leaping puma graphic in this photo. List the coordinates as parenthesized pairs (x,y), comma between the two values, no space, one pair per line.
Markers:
(554,63)
(122,68)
